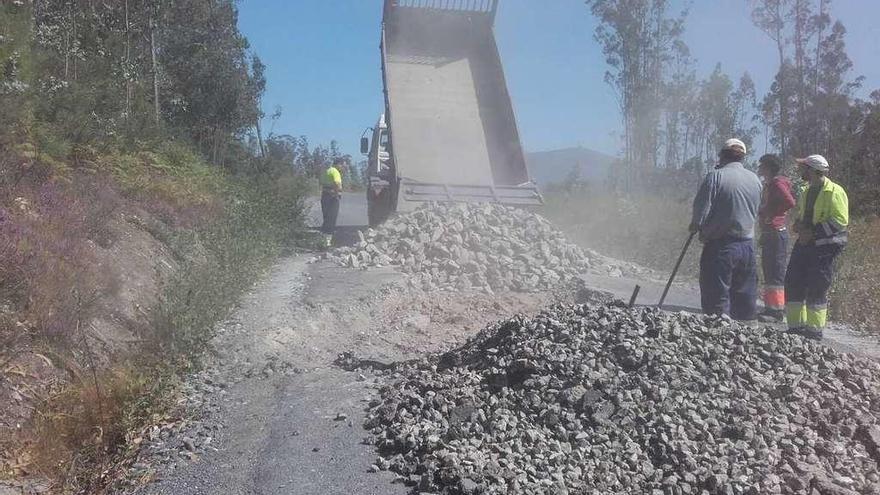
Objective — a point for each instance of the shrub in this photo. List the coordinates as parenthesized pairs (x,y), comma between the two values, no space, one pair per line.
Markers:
(80,430)
(173,183)
(261,217)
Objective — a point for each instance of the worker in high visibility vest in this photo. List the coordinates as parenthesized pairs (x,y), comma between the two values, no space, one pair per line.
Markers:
(331,196)
(821,226)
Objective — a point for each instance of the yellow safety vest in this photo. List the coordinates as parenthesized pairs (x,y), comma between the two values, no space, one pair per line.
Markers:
(331,179)
(830,213)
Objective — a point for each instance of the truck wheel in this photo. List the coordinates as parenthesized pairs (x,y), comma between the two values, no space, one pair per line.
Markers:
(378,209)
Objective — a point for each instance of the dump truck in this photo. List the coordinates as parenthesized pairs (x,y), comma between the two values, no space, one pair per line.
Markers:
(448,132)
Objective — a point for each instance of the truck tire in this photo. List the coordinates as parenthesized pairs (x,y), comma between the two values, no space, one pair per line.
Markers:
(378,208)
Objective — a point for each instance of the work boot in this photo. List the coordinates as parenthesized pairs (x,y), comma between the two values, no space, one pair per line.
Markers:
(811,333)
(771,316)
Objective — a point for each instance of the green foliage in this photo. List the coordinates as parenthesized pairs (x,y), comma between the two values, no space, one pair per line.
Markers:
(640,40)
(173,173)
(261,218)
(672,121)
(16,69)
(860,172)
(212,93)
(113,73)
(811,107)
(91,94)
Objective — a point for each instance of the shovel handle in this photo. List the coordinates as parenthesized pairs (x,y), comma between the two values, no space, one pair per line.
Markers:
(687,244)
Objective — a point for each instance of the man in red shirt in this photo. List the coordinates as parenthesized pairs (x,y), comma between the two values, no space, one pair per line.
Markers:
(776,200)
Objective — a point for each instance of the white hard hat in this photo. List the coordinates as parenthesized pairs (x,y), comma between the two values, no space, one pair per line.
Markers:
(735,145)
(815,162)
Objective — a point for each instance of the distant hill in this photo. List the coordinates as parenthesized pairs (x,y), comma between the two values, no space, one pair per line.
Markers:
(547,167)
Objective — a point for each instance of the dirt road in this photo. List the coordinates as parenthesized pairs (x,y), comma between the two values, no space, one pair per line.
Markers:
(290,421)
(282,417)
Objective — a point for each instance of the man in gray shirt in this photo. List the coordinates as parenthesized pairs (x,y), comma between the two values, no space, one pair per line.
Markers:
(724,215)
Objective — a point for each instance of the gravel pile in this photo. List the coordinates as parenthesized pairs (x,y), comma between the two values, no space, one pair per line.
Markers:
(605,399)
(475,246)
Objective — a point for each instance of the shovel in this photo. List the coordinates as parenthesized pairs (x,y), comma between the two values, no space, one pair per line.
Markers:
(687,244)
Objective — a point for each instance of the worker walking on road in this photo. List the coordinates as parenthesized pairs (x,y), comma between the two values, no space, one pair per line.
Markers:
(724,215)
(776,201)
(331,196)
(821,226)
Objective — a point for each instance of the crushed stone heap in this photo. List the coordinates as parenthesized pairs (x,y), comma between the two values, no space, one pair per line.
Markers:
(605,399)
(475,246)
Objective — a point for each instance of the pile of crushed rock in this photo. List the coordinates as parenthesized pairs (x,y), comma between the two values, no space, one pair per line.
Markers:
(483,246)
(606,399)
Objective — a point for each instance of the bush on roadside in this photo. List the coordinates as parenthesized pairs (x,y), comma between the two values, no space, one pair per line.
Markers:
(261,218)
(84,425)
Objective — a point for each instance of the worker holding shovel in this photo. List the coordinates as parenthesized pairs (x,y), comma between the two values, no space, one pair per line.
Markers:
(724,215)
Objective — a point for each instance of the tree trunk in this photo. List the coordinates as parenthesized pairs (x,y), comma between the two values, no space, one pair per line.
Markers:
(155,69)
(260,140)
(73,23)
(783,107)
(127,76)
(823,6)
(67,54)
(800,48)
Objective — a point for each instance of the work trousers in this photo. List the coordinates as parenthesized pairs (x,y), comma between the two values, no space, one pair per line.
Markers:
(809,275)
(330,210)
(774,254)
(729,278)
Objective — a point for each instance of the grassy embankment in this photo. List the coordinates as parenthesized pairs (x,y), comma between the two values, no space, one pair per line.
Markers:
(119,245)
(62,208)
(651,230)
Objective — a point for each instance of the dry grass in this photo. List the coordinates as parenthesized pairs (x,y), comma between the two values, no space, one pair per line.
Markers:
(82,430)
(855,297)
(651,230)
(51,219)
(47,266)
(647,230)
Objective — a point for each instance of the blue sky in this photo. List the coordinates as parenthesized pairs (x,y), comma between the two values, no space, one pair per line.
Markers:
(324,72)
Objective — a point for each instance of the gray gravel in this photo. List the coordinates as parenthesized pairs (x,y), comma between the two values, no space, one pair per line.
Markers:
(463,246)
(605,399)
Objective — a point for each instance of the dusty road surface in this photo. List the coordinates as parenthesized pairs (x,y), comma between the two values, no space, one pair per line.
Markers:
(277,414)
(352,216)
(272,414)
(288,420)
